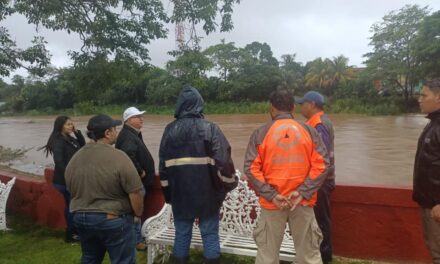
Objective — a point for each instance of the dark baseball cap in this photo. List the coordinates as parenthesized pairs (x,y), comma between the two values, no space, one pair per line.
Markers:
(102,122)
(312,96)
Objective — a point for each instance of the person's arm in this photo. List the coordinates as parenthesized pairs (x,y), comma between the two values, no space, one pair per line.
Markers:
(131,184)
(162,168)
(325,135)
(79,137)
(221,153)
(433,171)
(150,172)
(58,154)
(137,202)
(253,167)
(319,165)
(130,148)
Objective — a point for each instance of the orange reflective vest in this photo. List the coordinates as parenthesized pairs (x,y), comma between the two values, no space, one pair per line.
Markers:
(283,156)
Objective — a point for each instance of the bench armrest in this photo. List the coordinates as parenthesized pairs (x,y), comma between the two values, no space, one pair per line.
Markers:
(155,224)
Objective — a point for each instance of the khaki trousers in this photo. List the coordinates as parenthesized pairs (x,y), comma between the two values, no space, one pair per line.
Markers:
(269,233)
(431,234)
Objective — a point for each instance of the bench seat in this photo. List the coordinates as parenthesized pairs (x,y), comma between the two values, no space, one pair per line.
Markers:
(238,218)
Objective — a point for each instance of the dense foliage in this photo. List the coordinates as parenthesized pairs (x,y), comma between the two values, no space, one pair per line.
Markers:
(405,51)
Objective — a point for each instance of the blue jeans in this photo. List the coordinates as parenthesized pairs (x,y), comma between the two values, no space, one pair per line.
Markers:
(99,234)
(138,233)
(68,216)
(209,231)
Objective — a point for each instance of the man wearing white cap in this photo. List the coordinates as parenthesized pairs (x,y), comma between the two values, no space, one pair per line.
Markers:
(131,142)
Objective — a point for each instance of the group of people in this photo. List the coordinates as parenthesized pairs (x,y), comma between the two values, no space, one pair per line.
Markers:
(289,164)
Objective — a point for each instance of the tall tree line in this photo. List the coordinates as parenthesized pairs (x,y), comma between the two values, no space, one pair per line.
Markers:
(405,50)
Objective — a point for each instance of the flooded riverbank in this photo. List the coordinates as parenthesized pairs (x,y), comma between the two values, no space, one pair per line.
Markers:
(369,150)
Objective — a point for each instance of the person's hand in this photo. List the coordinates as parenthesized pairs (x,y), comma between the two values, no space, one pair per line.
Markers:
(295,198)
(281,202)
(137,219)
(435,213)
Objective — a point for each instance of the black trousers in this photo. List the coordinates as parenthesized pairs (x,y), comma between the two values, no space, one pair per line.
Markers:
(323,217)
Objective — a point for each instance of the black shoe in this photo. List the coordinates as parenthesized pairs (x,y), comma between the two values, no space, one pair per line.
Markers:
(327,260)
(71,237)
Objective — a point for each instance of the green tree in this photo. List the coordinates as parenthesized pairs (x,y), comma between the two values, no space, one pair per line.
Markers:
(318,74)
(292,73)
(190,66)
(224,57)
(161,87)
(427,46)
(262,53)
(34,58)
(127,26)
(392,58)
(341,72)
(105,27)
(258,73)
(327,75)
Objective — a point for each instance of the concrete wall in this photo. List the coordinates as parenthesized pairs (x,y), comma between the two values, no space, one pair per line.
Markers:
(36,198)
(375,222)
(369,222)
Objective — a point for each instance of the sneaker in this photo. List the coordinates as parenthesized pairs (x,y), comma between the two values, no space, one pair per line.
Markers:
(72,238)
(141,246)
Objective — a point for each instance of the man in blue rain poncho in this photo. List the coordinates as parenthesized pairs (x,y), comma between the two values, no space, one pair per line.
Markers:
(196,171)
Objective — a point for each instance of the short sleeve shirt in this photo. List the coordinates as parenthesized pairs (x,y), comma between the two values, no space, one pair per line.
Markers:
(99,179)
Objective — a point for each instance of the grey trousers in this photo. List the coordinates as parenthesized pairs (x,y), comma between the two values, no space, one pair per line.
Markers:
(431,234)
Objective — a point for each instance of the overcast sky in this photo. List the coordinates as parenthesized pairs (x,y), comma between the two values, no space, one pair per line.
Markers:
(310,29)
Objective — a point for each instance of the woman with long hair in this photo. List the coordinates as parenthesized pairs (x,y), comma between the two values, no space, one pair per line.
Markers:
(62,145)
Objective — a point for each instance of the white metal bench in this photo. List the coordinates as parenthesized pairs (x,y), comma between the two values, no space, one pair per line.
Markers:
(5,189)
(239,215)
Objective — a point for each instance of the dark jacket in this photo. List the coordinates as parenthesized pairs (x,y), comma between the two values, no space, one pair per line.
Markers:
(195,167)
(63,150)
(426,189)
(130,141)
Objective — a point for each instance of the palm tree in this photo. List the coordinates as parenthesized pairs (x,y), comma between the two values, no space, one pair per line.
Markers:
(317,76)
(341,72)
(326,75)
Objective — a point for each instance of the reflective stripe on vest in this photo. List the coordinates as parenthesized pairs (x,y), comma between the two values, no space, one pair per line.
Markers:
(189,161)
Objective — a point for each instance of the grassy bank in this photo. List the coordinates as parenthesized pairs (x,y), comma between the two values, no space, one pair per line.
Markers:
(377,106)
(33,244)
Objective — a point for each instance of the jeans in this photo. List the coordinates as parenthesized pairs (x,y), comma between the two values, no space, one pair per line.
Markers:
(138,232)
(99,234)
(209,231)
(68,216)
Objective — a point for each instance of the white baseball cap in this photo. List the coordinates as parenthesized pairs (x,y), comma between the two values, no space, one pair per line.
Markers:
(131,111)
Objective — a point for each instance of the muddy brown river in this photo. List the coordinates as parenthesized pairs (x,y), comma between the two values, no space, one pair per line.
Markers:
(369,150)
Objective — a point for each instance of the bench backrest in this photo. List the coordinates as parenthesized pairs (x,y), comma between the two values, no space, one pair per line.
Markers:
(4,193)
(238,215)
(240,211)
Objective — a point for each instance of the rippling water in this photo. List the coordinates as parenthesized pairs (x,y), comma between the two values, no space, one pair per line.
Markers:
(369,150)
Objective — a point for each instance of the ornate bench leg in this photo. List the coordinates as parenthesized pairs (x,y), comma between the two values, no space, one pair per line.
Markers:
(150,249)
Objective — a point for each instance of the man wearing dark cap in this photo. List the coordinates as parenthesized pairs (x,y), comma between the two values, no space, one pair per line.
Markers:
(106,195)
(312,108)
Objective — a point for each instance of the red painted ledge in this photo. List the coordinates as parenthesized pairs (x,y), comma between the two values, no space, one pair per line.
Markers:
(370,222)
